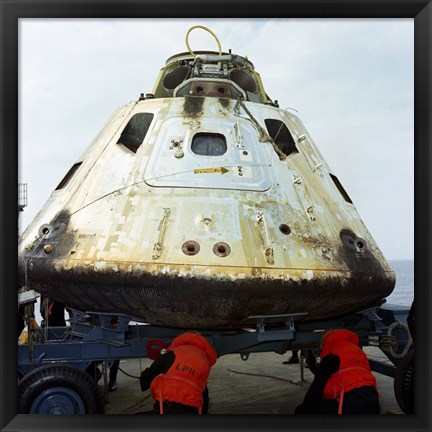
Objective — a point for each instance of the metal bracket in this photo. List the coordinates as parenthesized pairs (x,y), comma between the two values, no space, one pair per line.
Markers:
(371,318)
(280,333)
(25,297)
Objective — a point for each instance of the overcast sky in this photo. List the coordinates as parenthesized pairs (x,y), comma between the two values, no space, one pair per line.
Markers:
(351,81)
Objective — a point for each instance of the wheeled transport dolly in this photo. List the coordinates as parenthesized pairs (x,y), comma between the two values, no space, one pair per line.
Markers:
(54,365)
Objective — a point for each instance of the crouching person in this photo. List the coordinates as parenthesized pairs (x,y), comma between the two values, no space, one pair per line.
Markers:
(178,378)
(343,383)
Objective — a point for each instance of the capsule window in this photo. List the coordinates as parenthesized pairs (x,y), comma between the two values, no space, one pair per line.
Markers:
(278,130)
(135,131)
(207,144)
(341,188)
(68,176)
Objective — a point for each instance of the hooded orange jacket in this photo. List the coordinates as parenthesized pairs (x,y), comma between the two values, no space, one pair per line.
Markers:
(186,379)
(354,370)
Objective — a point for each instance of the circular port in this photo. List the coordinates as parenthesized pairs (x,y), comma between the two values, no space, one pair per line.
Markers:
(190,248)
(284,229)
(221,249)
(353,242)
(44,229)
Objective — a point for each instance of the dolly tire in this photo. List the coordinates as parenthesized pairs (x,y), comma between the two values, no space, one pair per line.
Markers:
(404,383)
(59,389)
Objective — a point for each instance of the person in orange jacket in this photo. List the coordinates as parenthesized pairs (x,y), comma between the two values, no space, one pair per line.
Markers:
(343,383)
(178,378)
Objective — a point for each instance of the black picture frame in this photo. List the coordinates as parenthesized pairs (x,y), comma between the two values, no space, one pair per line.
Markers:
(12,10)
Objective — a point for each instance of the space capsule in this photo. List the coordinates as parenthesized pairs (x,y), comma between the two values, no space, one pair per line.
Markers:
(202,204)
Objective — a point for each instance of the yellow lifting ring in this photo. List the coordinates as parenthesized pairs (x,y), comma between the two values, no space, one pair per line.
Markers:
(206,29)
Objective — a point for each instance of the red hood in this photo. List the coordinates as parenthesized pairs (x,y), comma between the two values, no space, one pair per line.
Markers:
(197,341)
(338,336)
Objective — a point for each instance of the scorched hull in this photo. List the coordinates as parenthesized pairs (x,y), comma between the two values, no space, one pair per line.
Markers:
(178,297)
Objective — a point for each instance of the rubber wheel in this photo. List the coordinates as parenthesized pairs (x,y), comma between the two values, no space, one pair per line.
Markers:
(404,383)
(59,389)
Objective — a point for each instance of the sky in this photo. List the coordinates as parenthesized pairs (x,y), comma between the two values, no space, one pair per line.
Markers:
(351,82)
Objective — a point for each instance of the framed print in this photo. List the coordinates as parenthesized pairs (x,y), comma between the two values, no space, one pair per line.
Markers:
(344,95)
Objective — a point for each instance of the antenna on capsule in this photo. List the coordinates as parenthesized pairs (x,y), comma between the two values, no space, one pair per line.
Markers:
(207,30)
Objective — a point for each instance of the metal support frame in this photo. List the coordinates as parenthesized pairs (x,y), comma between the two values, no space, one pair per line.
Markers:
(106,337)
(22,196)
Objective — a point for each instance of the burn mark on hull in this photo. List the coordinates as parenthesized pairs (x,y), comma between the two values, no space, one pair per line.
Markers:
(354,252)
(213,303)
(193,106)
(225,102)
(54,234)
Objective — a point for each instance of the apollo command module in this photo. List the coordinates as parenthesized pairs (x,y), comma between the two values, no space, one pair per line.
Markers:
(200,205)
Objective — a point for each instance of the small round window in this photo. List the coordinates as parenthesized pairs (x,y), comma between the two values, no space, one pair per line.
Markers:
(207,144)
